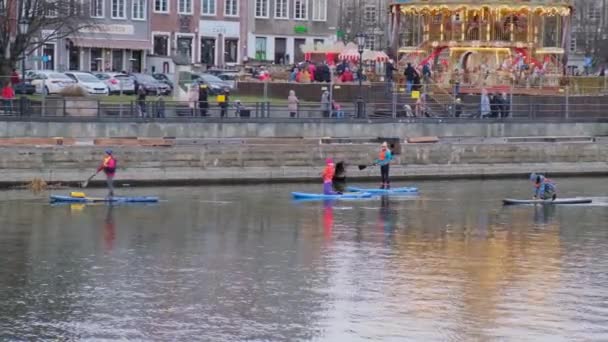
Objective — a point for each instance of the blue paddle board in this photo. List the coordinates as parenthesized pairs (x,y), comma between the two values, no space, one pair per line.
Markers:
(576,200)
(348,195)
(117,199)
(394,191)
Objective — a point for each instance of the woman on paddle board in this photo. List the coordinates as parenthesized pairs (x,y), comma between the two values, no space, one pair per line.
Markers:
(108,166)
(328,175)
(384,159)
(544,188)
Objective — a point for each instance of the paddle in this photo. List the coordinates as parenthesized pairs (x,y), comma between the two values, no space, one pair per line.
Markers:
(86,182)
(363,167)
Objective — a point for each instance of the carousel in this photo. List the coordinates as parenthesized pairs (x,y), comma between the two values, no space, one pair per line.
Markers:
(494,42)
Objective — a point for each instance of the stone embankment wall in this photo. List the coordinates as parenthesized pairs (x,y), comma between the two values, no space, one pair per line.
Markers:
(285,128)
(238,163)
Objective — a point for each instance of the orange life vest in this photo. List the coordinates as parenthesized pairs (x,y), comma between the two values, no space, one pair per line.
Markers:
(328,173)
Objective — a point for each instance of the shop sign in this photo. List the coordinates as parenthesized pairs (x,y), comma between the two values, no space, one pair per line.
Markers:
(111,29)
(300,29)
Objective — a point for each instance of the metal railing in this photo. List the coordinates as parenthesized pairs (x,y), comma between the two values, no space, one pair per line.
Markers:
(401,106)
(579,98)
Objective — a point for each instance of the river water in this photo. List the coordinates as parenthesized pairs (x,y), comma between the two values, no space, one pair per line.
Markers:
(248,264)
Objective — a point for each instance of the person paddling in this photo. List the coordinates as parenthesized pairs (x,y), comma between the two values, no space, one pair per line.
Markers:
(328,176)
(108,166)
(384,159)
(544,188)
(339,180)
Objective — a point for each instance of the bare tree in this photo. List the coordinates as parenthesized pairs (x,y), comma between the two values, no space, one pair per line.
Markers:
(47,20)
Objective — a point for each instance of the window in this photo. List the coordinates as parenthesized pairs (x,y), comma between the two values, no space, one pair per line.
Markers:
(184,46)
(370,14)
(370,41)
(74,7)
(573,45)
(97,8)
(118,9)
(281,9)
(261,8)
(139,9)
(231,8)
(319,10)
(184,6)
(594,13)
(161,6)
(260,48)
(300,9)
(117,59)
(161,45)
(208,7)
(50,9)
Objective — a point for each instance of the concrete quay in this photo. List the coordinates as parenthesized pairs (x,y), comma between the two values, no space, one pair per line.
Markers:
(263,162)
(286,128)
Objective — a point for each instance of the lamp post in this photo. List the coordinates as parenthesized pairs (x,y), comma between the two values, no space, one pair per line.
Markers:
(360,103)
(23,27)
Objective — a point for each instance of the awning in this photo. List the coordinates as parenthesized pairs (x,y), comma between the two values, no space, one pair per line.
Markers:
(112,43)
(368,55)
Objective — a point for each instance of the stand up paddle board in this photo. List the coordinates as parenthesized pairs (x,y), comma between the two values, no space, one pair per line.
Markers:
(394,191)
(117,199)
(348,195)
(575,200)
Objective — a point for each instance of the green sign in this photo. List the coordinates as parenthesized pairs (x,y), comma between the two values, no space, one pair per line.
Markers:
(340,34)
(300,29)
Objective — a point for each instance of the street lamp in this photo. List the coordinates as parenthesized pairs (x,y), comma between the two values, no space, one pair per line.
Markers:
(23,27)
(360,46)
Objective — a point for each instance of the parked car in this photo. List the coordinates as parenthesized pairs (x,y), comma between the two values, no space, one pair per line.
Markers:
(150,84)
(26,88)
(50,82)
(117,82)
(90,83)
(215,84)
(230,78)
(165,78)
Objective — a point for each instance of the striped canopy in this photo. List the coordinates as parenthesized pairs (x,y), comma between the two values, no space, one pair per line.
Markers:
(368,55)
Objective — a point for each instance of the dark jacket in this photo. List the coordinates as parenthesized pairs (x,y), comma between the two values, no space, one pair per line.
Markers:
(390,68)
(410,73)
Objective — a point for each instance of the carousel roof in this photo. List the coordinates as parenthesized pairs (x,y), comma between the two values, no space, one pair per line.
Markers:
(483,2)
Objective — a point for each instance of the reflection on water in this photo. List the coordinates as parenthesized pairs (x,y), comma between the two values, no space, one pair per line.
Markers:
(233,264)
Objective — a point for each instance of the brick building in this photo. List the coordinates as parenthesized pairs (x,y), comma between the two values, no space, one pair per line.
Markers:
(204,32)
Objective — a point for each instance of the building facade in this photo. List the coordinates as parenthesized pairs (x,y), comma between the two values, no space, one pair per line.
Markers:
(118,40)
(204,32)
(589,33)
(278,28)
(364,16)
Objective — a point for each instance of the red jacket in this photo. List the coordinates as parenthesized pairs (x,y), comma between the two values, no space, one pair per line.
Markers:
(8,93)
(108,166)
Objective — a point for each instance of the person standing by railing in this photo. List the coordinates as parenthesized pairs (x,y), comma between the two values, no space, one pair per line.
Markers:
(141,101)
(325,104)
(292,104)
(193,98)
(8,96)
(390,69)
(410,74)
(223,101)
(203,99)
